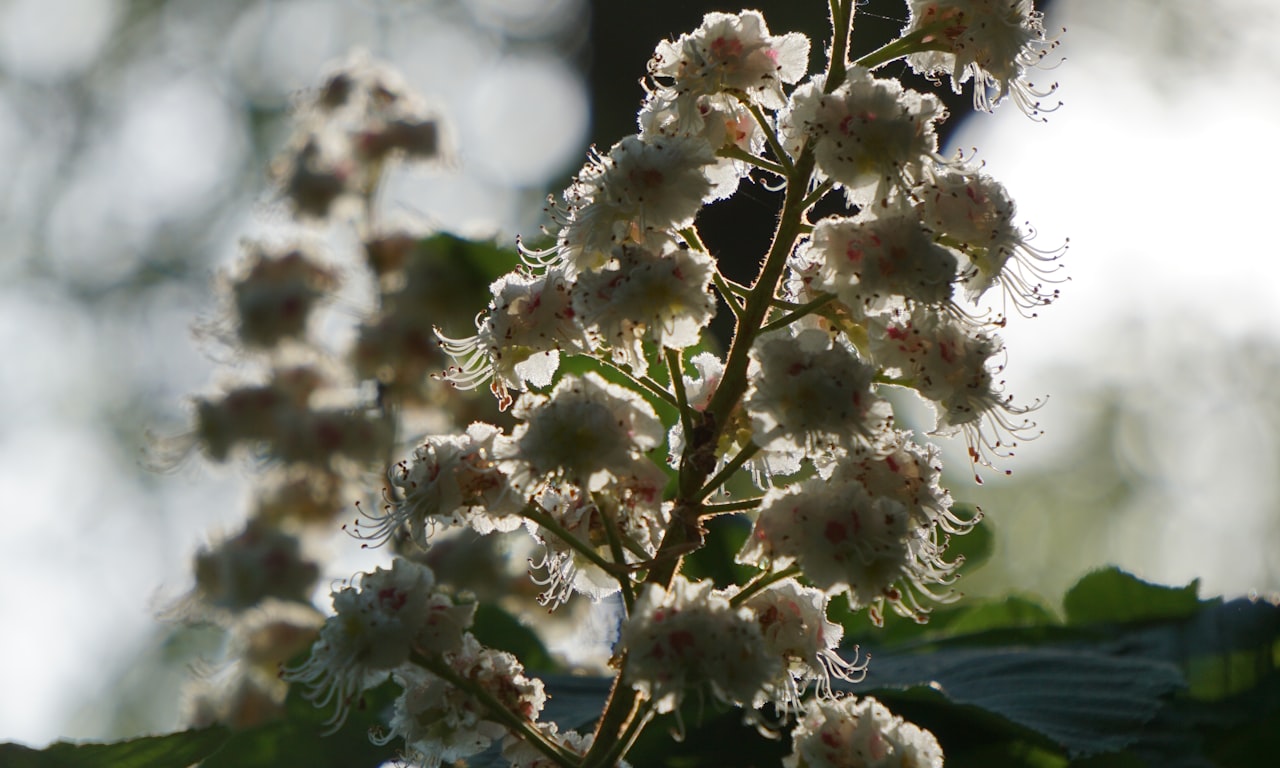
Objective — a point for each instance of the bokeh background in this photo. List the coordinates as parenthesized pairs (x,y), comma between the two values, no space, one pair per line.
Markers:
(134,138)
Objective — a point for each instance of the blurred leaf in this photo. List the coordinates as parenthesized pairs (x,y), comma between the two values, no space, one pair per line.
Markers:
(1013,612)
(486,259)
(989,621)
(175,750)
(715,560)
(298,738)
(495,628)
(1112,596)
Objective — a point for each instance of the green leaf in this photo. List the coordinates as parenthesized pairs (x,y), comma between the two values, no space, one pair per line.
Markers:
(298,738)
(1112,596)
(495,628)
(715,560)
(1006,754)
(174,750)
(1004,621)
(1013,612)
(1087,703)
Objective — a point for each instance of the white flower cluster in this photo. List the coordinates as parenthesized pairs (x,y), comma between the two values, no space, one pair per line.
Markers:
(379,621)
(992,42)
(848,733)
(597,349)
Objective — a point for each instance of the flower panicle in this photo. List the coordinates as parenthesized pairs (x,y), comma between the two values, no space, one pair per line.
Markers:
(588,344)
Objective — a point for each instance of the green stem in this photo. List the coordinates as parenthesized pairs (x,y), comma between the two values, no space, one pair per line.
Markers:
(498,712)
(726,472)
(726,287)
(621,705)
(770,136)
(615,547)
(724,508)
(818,193)
(841,24)
(738,289)
(734,152)
(628,738)
(691,236)
(762,581)
(534,511)
(734,381)
(675,368)
(798,313)
(928,38)
(727,293)
(789,306)
(644,382)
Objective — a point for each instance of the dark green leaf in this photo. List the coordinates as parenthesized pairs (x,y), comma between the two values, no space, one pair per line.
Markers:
(495,628)
(715,560)
(1087,703)
(298,738)
(174,750)
(1005,754)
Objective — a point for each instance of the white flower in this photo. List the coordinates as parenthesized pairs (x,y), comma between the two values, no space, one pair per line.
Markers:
(376,624)
(859,733)
(658,291)
(451,480)
(637,508)
(808,393)
(793,619)
(872,259)
(519,339)
(440,723)
(848,541)
(698,391)
(361,116)
(564,569)
(688,639)
(735,53)
(642,187)
(586,432)
(994,42)
(908,472)
(947,361)
(869,134)
(719,120)
(974,214)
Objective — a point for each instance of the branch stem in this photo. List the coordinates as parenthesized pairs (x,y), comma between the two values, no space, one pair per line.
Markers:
(496,710)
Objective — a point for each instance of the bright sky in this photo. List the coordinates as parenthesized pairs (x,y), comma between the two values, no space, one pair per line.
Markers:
(1161,173)
(1161,170)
